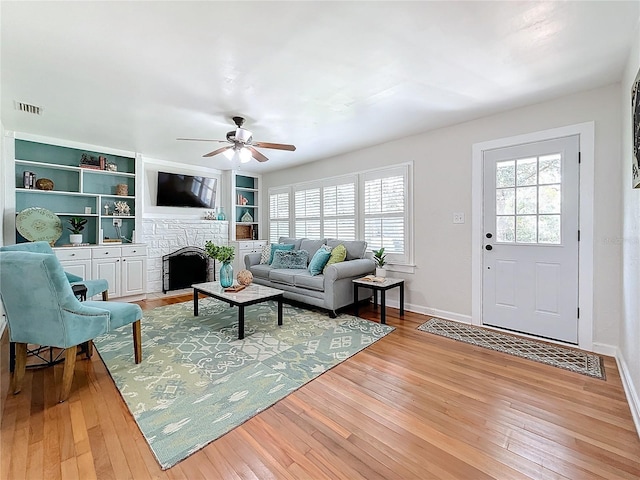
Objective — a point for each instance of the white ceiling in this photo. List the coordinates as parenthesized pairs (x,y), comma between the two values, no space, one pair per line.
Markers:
(329,77)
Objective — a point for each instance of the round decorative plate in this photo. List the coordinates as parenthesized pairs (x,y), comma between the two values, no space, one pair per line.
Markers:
(37,224)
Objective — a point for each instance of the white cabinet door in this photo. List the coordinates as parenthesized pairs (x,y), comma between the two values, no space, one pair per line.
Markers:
(111,270)
(134,272)
(82,268)
(76,261)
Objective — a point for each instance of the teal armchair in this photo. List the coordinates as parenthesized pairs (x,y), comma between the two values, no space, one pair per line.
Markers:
(42,309)
(94,287)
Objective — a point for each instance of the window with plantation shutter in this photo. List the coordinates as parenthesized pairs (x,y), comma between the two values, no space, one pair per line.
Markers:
(307,213)
(374,206)
(386,213)
(278,216)
(339,211)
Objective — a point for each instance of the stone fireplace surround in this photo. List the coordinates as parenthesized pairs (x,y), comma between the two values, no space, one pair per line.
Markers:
(164,235)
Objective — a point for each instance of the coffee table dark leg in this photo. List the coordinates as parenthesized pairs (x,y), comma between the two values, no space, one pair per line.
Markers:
(402,299)
(355,299)
(375,298)
(195,302)
(240,322)
(279,310)
(383,307)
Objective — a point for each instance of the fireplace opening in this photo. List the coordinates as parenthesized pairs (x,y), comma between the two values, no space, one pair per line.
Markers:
(185,267)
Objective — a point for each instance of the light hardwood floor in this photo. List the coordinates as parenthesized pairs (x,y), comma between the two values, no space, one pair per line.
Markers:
(413,405)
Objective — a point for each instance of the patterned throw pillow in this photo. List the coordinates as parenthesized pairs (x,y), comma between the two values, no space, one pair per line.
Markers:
(290,259)
(265,254)
(319,260)
(279,246)
(338,254)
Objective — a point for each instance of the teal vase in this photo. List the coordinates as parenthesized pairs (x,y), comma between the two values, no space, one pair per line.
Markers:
(221,215)
(226,274)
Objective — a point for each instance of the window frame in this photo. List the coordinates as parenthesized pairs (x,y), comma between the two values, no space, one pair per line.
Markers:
(397,262)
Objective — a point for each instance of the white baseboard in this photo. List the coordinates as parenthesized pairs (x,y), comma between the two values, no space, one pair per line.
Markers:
(410,307)
(629,389)
(605,349)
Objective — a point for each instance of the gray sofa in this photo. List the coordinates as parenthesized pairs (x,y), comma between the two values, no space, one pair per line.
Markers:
(331,289)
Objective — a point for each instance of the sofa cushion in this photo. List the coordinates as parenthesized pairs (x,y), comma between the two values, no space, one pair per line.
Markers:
(265,254)
(338,254)
(261,271)
(295,241)
(285,275)
(355,248)
(279,246)
(319,260)
(312,282)
(290,259)
(312,246)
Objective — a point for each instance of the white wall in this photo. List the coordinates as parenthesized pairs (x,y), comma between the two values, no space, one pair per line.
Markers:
(629,354)
(442,185)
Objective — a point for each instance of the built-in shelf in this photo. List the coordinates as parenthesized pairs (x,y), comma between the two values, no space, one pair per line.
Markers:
(76,189)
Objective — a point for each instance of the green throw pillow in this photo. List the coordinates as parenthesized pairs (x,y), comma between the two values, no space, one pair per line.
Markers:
(319,260)
(338,254)
(279,246)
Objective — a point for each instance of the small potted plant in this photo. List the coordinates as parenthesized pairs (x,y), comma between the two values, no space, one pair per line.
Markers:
(379,258)
(223,254)
(76,226)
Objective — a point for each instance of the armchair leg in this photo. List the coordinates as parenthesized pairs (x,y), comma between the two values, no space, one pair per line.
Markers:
(19,368)
(67,373)
(105,295)
(137,342)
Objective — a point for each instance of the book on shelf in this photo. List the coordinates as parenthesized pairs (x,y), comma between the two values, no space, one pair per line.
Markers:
(112,240)
(76,244)
(372,278)
(91,167)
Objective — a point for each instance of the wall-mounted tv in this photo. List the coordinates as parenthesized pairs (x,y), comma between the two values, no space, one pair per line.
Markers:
(178,190)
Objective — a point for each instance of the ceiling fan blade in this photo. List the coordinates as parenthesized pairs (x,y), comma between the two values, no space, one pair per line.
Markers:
(216,152)
(257,155)
(277,146)
(201,140)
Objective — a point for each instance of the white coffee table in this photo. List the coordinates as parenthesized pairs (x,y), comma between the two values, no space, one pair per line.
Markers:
(249,296)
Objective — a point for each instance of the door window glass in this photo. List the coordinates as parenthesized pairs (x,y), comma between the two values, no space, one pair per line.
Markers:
(528,200)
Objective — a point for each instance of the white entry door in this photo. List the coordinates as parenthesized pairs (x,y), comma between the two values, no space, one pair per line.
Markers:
(530,256)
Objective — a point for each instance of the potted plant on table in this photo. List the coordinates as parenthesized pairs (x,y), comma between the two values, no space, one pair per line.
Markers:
(379,257)
(76,226)
(224,254)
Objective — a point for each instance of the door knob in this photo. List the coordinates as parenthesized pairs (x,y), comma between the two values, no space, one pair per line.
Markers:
(489,235)
(489,247)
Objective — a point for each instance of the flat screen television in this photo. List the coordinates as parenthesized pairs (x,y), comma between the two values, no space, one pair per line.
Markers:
(178,190)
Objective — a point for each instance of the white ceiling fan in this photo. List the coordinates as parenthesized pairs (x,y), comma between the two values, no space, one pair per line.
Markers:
(241,143)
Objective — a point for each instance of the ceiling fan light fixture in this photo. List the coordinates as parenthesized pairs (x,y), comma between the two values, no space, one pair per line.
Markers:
(245,155)
(229,153)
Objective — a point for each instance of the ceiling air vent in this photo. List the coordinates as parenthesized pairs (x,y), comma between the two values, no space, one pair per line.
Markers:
(28,108)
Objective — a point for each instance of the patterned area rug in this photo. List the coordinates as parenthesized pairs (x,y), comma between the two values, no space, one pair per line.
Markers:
(567,358)
(197,381)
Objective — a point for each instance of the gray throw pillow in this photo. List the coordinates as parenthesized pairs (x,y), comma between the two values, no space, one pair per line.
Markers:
(290,259)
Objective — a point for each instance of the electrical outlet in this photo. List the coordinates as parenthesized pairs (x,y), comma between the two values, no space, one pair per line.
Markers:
(117,222)
(458,218)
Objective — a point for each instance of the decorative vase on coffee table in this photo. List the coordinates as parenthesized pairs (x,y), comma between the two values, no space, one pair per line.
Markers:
(226,274)
(381,272)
